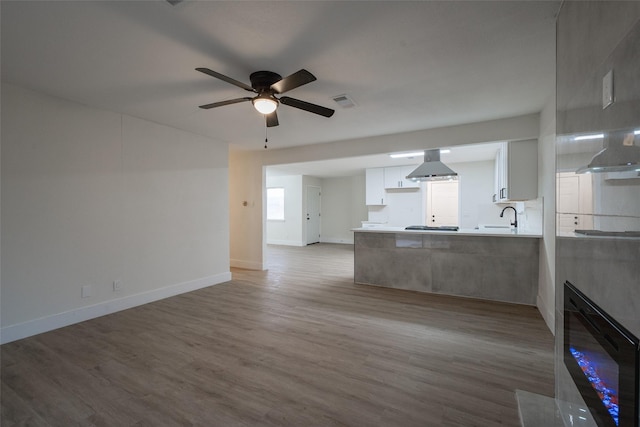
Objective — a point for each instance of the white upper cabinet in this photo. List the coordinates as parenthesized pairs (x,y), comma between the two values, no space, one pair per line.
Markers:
(374,184)
(396,177)
(516,171)
(378,180)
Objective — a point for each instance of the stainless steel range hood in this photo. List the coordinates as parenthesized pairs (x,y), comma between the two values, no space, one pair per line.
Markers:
(621,154)
(432,169)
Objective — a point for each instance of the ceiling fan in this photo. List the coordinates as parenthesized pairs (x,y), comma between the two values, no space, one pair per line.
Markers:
(267,85)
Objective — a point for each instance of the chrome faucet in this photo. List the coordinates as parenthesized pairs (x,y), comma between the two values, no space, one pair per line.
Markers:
(515,217)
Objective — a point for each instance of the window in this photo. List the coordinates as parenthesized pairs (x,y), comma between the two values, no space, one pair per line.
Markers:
(275,204)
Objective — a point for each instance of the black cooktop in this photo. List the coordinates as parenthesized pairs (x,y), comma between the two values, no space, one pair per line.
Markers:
(428,227)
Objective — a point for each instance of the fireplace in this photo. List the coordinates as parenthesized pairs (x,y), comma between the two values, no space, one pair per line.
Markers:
(602,358)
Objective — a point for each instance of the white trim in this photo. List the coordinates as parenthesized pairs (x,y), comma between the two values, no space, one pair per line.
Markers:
(344,241)
(247,265)
(285,242)
(59,320)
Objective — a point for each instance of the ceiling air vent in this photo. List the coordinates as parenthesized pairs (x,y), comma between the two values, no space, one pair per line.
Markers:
(344,101)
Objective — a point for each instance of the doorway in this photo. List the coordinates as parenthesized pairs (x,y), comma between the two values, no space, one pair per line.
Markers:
(313,214)
(442,203)
(574,202)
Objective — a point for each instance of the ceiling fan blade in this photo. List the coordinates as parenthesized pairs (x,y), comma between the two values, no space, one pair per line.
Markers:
(228,102)
(272,119)
(307,106)
(293,81)
(225,78)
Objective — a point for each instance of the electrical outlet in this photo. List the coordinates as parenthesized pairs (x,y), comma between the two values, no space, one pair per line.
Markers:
(86,291)
(117,285)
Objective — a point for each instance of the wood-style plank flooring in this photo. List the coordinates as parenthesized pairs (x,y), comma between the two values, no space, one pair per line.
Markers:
(297,345)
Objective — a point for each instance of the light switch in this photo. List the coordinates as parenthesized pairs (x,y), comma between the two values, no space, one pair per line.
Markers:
(607,89)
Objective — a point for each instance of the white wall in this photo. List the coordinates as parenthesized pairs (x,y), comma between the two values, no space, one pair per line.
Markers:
(247,170)
(547,192)
(616,204)
(343,208)
(287,231)
(90,197)
(508,129)
(475,193)
(407,207)
(403,207)
(246,210)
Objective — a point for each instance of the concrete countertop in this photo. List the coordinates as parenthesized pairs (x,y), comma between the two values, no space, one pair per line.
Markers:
(494,264)
(493,232)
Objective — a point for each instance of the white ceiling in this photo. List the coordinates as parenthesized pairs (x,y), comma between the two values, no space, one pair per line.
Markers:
(408,65)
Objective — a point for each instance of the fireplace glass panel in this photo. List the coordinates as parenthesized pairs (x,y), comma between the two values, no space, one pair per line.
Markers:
(602,358)
(600,370)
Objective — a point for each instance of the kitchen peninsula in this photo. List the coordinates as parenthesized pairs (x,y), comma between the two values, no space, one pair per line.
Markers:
(499,265)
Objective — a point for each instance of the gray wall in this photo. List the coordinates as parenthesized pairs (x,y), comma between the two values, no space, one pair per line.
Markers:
(594,37)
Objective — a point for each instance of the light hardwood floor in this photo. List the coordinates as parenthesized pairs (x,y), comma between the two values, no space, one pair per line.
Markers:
(297,345)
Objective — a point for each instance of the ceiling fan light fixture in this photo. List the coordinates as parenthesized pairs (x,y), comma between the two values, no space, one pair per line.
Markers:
(266,84)
(265,104)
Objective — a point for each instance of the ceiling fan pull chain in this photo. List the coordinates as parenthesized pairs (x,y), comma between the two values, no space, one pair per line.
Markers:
(265,137)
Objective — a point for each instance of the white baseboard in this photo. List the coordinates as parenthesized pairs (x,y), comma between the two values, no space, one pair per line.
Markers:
(547,315)
(285,242)
(247,265)
(345,241)
(59,320)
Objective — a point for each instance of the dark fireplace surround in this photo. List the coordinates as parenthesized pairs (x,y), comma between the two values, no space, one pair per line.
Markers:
(602,359)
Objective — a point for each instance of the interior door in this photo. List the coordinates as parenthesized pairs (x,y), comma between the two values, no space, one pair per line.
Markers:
(568,202)
(574,202)
(442,203)
(313,214)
